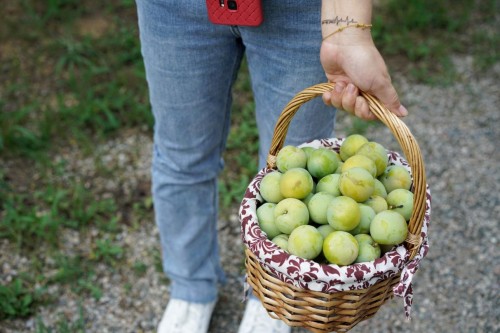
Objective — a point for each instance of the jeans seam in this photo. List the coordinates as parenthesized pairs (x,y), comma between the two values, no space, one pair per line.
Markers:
(228,102)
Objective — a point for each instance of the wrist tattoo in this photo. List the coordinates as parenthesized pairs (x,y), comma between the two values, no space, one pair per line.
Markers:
(338,20)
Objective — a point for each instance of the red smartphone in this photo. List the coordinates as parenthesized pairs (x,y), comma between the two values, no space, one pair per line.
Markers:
(235,12)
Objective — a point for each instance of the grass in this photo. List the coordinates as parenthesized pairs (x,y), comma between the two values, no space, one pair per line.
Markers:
(35,218)
(424,34)
(63,325)
(18,299)
(69,84)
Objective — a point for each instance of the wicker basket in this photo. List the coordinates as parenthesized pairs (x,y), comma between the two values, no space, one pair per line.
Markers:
(322,312)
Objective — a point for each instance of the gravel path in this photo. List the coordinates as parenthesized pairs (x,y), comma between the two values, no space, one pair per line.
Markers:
(456,288)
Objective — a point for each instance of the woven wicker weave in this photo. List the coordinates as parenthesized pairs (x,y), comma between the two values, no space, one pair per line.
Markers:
(319,312)
(340,311)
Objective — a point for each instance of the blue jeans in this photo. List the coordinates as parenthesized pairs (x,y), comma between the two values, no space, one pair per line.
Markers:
(191,65)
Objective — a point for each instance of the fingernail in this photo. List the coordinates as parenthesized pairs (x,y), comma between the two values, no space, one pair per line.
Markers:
(351,88)
(339,87)
(402,111)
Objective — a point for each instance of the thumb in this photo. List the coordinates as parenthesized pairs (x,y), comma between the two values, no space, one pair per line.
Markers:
(387,95)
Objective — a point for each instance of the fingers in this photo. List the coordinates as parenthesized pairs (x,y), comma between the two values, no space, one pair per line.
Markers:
(362,110)
(346,97)
(334,97)
(386,93)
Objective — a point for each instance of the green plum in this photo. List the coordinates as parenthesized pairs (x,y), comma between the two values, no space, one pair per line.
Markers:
(308,198)
(401,201)
(369,250)
(296,183)
(339,169)
(308,150)
(389,228)
(394,177)
(360,161)
(340,248)
(377,153)
(377,203)
(330,184)
(325,230)
(290,213)
(379,189)
(318,206)
(282,241)
(350,145)
(305,241)
(291,157)
(364,238)
(270,187)
(343,213)
(367,215)
(322,162)
(356,183)
(265,216)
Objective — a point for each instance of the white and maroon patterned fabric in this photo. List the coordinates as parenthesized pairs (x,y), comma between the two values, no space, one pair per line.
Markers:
(310,275)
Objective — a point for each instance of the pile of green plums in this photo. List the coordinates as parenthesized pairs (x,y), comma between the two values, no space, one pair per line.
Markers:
(340,207)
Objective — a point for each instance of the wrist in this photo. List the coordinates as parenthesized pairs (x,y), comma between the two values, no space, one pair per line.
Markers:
(354,33)
(338,14)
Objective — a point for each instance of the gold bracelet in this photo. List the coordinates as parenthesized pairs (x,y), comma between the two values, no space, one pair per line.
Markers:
(357,25)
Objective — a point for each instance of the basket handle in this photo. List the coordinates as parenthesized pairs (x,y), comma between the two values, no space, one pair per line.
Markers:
(400,131)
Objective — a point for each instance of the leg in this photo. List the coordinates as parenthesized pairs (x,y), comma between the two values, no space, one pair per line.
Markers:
(190,66)
(283,57)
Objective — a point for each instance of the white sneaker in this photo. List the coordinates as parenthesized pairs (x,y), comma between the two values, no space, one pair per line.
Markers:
(257,320)
(186,317)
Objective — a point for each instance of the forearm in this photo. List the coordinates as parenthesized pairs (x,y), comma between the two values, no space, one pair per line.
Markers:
(352,61)
(339,13)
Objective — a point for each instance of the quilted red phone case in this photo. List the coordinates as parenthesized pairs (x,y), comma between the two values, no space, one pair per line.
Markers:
(235,12)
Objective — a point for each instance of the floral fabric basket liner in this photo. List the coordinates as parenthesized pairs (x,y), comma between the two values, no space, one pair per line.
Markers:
(310,275)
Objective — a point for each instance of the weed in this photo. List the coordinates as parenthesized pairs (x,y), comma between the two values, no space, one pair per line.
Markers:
(70,268)
(63,325)
(18,133)
(77,272)
(80,208)
(27,226)
(157,260)
(139,268)
(416,29)
(486,49)
(75,54)
(231,192)
(88,285)
(41,12)
(30,220)
(17,299)
(106,251)
(144,207)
